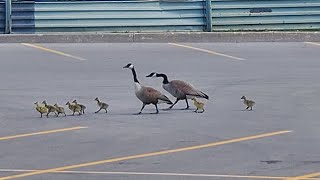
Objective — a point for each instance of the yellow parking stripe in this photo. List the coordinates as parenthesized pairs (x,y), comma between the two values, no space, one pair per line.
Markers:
(41,133)
(146,155)
(53,51)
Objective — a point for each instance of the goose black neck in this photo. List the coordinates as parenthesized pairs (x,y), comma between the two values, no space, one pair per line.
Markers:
(135,79)
(165,78)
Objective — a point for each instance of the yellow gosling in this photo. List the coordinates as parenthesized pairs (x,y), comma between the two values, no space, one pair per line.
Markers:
(83,107)
(59,110)
(199,105)
(50,108)
(74,108)
(41,109)
(248,103)
(101,105)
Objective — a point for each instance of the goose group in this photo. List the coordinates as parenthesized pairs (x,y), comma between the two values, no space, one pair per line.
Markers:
(179,89)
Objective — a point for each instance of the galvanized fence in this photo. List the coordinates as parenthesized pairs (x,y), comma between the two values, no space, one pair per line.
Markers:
(239,15)
(2,17)
(158,16)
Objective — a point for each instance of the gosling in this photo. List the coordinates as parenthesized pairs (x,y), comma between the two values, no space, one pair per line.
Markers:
(50,108)
(74,108)
(102,105)
(83,107)
(248,103)
(59,110)
(41,109)
(199,105)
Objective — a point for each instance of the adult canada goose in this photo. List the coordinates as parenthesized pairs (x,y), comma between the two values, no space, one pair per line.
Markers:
(179,89)
(147,95)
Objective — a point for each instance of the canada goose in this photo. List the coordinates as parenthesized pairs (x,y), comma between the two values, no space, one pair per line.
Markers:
(179,89)
(74,108)
(248,103)
(50,108)
(101,105)
(147,95)
(83,107)
(59,110)
(198,104)
(41,109)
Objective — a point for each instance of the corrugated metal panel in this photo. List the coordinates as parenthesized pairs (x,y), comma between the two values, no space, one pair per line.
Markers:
(265,15)
(23,17)
(119,16)
(2,17)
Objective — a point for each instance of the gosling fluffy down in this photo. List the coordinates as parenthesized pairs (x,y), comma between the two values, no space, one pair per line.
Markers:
(101,105)
(83,107)
(74,108)
(59,110)
(248,103)
(198,104)
(41,109)
(50,108)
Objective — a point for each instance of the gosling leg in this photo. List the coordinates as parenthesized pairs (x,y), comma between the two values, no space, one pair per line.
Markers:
(247,107)
(41,115)
(143,105)
(196,110)
(106,110)
(98,110)
(251,108)
(202,111)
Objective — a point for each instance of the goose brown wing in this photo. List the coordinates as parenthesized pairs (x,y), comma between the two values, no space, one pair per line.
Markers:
(188,89)
(154,95)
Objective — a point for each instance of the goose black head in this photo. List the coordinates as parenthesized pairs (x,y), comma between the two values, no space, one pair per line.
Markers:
(243,97)
(68,103)
(96,99)
(44,102)
(153,74)
(130,66)
(74,101)
(36,103)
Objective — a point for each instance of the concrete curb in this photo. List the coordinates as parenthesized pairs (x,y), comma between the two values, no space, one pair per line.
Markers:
(231,37)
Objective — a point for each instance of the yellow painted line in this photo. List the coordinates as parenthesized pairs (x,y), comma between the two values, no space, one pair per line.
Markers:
(41,133)
(307,176)
(313,43)
(63,168)
(155,174)
(207,51)
(53,51)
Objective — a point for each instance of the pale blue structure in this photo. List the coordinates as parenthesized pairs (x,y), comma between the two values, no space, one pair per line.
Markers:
(158,16)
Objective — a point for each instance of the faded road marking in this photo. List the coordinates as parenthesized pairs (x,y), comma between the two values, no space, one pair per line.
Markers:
(53,51)
(145,155)
(41,133)
(306,176)
(207,51)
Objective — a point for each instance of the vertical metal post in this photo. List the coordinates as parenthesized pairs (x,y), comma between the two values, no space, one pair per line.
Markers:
(8,17)
(208,15)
